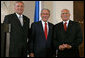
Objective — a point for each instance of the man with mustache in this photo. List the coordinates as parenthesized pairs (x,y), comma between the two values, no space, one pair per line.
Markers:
(41,36)
(67,36)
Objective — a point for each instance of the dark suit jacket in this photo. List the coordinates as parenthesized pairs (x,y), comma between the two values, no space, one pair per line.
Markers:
(73,37)
(18,35)
(38,45)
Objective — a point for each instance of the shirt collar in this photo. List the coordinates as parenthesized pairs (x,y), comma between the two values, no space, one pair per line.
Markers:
(66,21)
(18,15)
(44,22)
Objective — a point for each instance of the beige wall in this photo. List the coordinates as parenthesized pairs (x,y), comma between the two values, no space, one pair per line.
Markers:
(8,8)
(54,6)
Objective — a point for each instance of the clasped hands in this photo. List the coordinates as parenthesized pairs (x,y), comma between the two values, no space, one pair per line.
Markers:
(31,55)
(64,46)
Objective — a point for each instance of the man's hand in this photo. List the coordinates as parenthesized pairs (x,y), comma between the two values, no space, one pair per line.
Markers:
(67,46)
(64,46)
(31,55)
(61,47)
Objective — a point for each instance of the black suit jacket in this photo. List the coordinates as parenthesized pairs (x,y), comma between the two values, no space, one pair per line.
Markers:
(18,35)
(73,37)
(38,45)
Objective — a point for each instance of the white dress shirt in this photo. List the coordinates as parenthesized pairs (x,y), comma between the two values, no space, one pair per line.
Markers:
(67,23)
(43,24)
(20,18)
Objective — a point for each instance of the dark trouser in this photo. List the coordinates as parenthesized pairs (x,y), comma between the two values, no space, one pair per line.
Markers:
(68,53)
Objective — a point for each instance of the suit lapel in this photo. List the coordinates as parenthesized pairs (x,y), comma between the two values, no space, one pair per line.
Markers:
(24,21)
(69,26)
(62,27)
(50,28)
(42,31)
(17,20)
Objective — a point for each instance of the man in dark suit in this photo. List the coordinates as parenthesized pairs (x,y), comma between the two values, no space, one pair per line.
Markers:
(41,36)
(19,31)
(67,36)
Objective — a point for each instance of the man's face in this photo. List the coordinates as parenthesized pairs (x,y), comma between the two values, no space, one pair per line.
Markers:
(19,8)
(65,15)
(45,15)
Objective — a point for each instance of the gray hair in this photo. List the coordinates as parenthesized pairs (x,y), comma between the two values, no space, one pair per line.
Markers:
(66,9)
(18,2)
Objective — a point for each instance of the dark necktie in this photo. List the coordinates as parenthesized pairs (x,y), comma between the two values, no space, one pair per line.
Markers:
(45,30)
(65,27)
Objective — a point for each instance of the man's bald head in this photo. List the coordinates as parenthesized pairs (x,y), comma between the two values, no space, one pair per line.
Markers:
(65,14)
